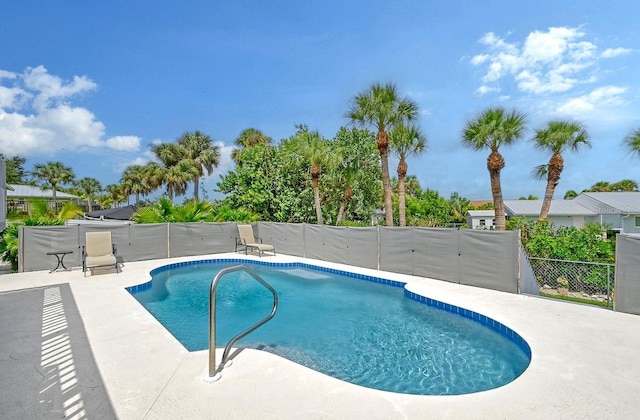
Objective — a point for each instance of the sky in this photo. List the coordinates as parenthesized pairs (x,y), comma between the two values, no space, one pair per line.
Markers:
(95,84)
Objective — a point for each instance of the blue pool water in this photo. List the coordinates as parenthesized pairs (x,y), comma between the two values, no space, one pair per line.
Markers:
(363,332)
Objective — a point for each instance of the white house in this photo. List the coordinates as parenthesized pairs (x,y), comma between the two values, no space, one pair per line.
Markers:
(18,196)
(481,219)
(561,212)
(618,210)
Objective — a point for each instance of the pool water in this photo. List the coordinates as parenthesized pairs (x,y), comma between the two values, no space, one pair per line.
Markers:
(355,330)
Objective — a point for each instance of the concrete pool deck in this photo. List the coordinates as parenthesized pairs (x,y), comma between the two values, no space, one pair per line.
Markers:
(84,348)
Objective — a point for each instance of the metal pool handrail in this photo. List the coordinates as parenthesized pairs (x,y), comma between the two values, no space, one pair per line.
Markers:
(214,373)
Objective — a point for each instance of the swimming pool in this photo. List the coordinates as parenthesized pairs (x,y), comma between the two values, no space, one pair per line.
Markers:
(371,333)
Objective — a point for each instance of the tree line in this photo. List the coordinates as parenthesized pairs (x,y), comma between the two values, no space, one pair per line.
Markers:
(346,179)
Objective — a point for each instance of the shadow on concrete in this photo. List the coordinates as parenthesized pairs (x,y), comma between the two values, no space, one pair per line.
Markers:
(47,367)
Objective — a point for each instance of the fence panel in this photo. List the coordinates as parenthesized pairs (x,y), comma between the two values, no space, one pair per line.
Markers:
(396,249)
(36,241)
(188,239)
(288,238)
(627,277)
(489,259)
(436,253)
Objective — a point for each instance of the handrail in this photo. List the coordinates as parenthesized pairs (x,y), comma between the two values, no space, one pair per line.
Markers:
(213,371)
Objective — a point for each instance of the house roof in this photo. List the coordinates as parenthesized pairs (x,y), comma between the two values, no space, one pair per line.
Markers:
(29,191)
(481,213)
(118,213)
(558,208)
(624,202)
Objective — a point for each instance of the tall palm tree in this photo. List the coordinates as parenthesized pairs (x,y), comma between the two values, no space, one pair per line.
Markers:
(380,106)
(557,137)
(632,142)
(135,181)
(205,156)
(316,152)
(52,174)
(249,137)
(491,129)
(89,187)
(406,140)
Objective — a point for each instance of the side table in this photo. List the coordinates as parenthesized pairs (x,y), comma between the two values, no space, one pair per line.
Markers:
(60,256)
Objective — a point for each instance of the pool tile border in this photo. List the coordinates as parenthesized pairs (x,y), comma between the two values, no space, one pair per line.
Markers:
(475,316)
(490,323)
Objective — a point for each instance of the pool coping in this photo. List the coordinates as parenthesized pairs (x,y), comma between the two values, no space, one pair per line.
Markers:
(583,362)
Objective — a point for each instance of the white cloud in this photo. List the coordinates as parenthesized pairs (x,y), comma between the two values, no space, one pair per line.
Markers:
(226,163)
(50,87)
(7,74)
(597,100)
(12,97)
(486,89)
(37,116)
(479,59)
(551,61)
(615,52)
(124,143)
(121,166)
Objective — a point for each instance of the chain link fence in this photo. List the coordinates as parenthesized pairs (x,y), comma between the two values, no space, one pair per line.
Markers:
(586,282)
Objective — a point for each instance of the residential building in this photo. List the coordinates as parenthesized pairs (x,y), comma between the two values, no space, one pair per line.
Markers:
(18,196)
(620,211)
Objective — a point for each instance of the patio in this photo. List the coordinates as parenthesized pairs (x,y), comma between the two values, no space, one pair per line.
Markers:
(84,348)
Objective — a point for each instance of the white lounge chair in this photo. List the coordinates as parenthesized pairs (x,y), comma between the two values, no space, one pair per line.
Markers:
(99,252)
(249,242)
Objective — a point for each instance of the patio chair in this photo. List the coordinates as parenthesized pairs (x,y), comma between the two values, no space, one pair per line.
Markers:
(99,252)
(249,242)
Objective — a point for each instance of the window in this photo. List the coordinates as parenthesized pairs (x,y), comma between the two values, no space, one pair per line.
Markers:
(638,221)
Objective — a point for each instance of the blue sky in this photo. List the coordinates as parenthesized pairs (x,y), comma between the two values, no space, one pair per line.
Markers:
(94,84)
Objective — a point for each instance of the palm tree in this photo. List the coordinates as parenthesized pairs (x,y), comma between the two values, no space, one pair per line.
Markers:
(249,137)
(406,140)
(570,195)
(176,170)
(52,174)
(316,152)
(135,181)
(632,142)
(600,186)
(348,176)
(626,185)
(117,194)
(556,138)
(493,128)
(89,187)
(381,107)
(205,156)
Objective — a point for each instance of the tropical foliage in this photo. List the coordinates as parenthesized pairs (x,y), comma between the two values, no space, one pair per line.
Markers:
(588,243)
(165,211)
(15,171)
(632,142)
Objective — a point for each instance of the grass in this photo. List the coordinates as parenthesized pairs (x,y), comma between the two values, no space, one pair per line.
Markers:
(576,299)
